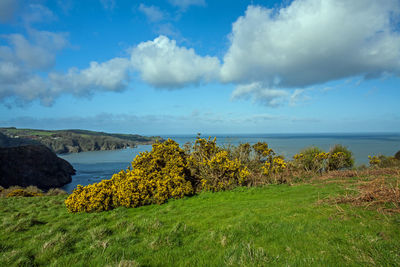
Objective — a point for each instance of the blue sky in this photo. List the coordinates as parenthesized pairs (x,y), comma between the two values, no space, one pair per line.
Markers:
(188,66)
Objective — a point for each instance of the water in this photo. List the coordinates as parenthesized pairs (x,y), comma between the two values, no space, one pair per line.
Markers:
(95,166)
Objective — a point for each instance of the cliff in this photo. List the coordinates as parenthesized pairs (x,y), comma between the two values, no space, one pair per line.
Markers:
(33,165)
(68,141)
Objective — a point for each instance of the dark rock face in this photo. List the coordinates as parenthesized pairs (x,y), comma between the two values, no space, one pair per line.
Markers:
(33,165)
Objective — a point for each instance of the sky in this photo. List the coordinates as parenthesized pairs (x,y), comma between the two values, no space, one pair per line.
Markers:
(159,67)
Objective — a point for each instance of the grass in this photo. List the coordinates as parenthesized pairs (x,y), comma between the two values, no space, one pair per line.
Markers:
(271,225)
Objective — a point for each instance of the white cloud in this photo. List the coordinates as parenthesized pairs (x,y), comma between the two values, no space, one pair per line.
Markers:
(40,53)
(312,42)
(152,13)
(7,9)
(111,75)
(163,64)
(183,4)
(25,86)
(260,94)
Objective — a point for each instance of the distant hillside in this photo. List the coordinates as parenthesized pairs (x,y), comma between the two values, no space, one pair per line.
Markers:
(69,141)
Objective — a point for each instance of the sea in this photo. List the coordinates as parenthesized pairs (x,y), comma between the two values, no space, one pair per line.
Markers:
(94,166)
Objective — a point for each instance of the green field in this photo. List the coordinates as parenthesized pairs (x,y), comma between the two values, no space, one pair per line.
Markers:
(271,225)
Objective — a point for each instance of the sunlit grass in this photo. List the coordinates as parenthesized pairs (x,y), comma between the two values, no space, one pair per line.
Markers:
(278,224)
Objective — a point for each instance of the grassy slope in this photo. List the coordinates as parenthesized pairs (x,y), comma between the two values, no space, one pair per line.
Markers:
(278,225)
(83,133)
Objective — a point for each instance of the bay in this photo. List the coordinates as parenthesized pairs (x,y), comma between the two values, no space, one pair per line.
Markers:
(94,166)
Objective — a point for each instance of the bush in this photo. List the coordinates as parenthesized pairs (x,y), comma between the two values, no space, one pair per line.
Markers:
(311,159)
(340,157)
(221,173)
(262,151)
(397,155)
(93,197)
(55,192)
(155,177)
(382,161)
(23,193)
(213,169)
(242,152)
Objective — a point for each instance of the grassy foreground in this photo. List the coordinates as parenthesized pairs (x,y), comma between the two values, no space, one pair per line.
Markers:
(272,225)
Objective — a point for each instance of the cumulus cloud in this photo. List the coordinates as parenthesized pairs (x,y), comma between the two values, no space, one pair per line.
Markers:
(26,86)
(163,64)
(20,62)
(40,53)
(258,93)
(184,4)
(152,13)
(7,9)
(111,75)
(311,42)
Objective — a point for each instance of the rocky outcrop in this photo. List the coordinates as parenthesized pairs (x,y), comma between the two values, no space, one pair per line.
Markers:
(33,165)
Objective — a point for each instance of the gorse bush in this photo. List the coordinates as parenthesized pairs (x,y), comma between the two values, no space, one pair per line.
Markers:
(23,193)
(93,197)
(316,160)
(154,177)
(311,159)
(382,161)
(212,168)
(340,157)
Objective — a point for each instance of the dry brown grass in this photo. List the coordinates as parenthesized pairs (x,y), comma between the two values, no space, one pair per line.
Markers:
(32,189)
(381,193)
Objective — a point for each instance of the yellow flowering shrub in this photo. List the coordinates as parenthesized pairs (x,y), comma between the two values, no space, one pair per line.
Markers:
(274,166)
(221,173)
(154,177)
(213,169)
(261,150)
(311,159)
(374,160)
(340,157)
(314,159)
(23,193)
(382,161)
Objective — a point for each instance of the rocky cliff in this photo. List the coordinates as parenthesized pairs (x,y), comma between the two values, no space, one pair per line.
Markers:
(70,141)
(33,165)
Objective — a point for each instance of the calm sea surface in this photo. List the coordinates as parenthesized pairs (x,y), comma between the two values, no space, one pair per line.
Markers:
(95,166)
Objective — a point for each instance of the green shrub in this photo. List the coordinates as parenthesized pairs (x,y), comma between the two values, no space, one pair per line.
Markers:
(397,155)
(382,161)
(340,157)
(311,159)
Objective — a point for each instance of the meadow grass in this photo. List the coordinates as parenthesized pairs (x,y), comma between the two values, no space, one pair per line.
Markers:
(270,225)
